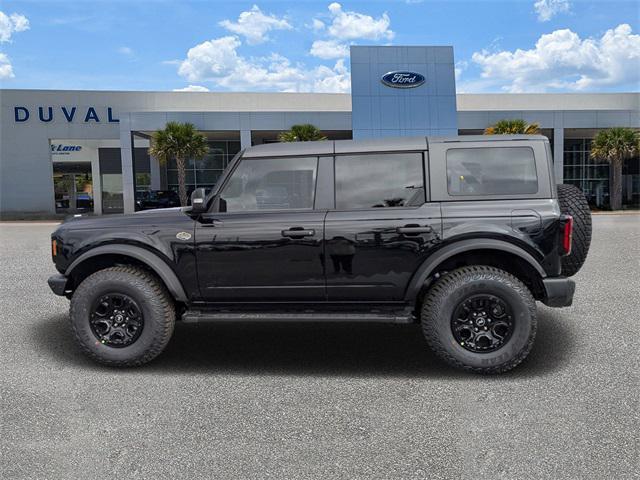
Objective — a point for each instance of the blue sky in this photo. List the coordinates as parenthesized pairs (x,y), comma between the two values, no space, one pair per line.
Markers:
(508,46)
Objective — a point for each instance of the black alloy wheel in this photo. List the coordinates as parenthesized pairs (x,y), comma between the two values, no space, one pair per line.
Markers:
(482,323)
(479,318)
(116,320)
(122,316)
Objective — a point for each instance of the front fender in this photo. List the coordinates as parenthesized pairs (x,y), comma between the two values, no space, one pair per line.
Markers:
(152,260)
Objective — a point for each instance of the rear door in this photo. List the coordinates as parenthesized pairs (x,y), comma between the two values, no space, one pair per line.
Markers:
(382,227)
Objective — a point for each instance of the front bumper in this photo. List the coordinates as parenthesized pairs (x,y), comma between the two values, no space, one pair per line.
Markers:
(58,284)
(558,291)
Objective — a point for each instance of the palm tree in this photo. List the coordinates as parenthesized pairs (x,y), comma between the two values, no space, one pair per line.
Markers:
(182,142)
(302,133)
(513,127)
(616,145)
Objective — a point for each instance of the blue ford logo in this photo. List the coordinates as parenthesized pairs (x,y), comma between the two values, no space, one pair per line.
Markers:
(401,79)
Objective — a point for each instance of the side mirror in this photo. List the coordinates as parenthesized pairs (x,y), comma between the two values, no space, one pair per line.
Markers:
(198,201)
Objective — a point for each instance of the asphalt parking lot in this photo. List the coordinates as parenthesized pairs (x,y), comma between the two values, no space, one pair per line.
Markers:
(323,401)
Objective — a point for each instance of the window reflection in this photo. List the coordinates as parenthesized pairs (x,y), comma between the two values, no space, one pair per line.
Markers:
(379,180)
(491,171)
(271,184)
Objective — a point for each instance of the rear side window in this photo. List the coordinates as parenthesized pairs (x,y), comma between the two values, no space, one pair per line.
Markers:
(379,180)
(491,171)
(271,184)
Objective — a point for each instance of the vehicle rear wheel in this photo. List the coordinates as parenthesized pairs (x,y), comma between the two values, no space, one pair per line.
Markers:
(479,318)
(122,316)
(573,202)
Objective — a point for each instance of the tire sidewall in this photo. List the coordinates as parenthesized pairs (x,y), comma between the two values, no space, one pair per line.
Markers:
(110,281)
(573,202)
(523,319)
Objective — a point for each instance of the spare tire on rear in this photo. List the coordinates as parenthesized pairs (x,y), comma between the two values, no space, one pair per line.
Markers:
(573,202)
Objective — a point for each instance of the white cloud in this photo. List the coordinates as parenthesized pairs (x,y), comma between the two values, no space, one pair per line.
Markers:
(317,25)
(347,25)
(211,59)
(327,49)
(128,51)
(254,25)
(192,88)
(547,9)
(10,24)
(218,61)
(331,80)
(460,67)
(6,70)
(562,60)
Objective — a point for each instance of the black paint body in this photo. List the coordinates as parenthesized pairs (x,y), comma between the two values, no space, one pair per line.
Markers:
(356,258)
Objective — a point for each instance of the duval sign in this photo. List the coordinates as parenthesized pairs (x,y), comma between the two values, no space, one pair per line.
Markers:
(402,79)
(70,114)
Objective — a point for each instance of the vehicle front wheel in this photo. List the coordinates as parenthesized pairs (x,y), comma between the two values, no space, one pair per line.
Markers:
(122,316)
(479,318)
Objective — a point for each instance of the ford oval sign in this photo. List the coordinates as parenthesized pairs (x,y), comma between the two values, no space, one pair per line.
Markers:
(402,79)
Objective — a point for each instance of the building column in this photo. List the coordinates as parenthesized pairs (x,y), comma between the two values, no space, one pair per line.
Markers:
(154,170)
(558,154)
(96,181)
(245,138)
(126,157)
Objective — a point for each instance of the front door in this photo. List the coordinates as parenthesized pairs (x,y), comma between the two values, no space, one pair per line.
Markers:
(381,229)
(264,244)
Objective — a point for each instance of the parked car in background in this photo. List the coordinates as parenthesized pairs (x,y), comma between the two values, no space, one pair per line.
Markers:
(150,199)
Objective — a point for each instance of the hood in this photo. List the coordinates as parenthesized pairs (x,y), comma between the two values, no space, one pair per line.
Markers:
(78,222)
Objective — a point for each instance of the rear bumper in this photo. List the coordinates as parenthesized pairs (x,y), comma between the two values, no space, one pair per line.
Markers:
(558,291)
(58,284)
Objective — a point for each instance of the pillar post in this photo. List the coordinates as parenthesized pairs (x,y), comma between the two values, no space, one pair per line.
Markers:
(558,154)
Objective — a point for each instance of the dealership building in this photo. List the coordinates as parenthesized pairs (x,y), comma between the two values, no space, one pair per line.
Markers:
(86,151)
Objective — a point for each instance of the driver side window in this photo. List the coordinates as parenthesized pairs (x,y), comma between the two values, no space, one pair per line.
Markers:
(271,184)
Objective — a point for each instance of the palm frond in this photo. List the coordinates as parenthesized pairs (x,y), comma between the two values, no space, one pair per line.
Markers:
(615,145)
(302,133)
(513,127)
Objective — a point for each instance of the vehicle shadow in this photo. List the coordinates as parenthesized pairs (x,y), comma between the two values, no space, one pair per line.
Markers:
(354,350)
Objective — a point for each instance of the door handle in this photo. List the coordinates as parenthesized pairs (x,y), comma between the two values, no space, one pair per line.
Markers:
(210,223)
(298,232)
(413,229)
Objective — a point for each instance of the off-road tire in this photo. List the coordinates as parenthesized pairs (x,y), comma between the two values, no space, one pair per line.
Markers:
(573,202)
(155,303)
(442,299)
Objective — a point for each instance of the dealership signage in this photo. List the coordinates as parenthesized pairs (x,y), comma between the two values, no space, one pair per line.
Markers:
(62,149)
(69,114)
(74,151)
(402,79)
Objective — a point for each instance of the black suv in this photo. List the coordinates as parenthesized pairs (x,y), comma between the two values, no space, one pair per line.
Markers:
(461,234)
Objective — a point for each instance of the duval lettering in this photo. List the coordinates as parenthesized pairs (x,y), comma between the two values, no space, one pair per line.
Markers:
(47,114)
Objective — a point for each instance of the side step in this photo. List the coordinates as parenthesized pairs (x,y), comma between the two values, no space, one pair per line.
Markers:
(198,316)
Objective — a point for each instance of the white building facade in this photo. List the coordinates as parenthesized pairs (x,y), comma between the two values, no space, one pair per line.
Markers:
(64,152)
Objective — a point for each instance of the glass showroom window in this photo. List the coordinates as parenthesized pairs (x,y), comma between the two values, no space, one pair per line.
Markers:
(205,172)
(591,176)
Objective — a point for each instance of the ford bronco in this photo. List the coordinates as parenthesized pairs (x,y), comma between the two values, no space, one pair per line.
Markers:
(461,234)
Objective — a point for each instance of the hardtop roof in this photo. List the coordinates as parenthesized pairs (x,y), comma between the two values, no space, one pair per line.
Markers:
(385,144)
